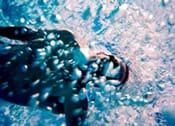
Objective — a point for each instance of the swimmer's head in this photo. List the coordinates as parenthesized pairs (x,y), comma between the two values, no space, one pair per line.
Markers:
(111,67)
(101,65)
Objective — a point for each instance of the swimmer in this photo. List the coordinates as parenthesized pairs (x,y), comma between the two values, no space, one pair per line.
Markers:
(49,68)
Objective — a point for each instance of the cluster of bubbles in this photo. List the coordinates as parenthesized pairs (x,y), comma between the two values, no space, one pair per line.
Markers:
(141,32)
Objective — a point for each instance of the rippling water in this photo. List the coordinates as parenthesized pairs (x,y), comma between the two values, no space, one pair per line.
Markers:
(142,32)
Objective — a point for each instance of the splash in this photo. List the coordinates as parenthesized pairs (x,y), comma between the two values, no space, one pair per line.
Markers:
(140,32)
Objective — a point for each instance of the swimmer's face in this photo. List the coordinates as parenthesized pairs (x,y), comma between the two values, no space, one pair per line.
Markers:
(101,65)
(110,67)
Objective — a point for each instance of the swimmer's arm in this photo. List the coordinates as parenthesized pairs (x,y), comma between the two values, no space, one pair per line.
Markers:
(21,33)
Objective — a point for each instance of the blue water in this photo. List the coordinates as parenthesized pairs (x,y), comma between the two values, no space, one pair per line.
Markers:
(141,32)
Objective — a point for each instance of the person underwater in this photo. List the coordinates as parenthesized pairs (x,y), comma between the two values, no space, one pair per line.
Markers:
(48,69)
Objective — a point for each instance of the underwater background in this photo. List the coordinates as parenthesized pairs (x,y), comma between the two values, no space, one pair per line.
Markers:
(141,32)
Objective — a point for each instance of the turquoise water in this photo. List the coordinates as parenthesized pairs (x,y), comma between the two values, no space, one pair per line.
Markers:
(141,32)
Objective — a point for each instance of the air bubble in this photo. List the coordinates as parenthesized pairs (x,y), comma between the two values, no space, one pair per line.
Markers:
(93,67)
(82,93)
(75,98)
(8,63)
(77,111)
(44,96)
(36,95)
(114,82)
(60,42)
(36,82)
(28,49)
(59,66)
(56,61)
(22,20)
(107,88)
(40,50)
(33,102)
(8,47)
(51,36)
(20,53)
(76,74)
(58,17)
(45,93)
(60,52)
(63,124)
(45,1)
(66,52)
(42,18)
(23,31)
(24,68)
(53,43)
(49,108)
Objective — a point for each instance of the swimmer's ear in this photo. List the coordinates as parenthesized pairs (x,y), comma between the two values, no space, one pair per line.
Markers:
(21,33)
